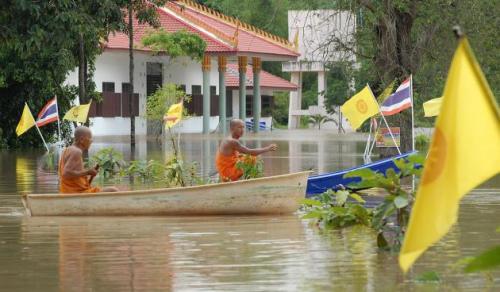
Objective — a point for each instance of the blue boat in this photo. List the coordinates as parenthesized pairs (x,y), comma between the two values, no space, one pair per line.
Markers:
(320,183)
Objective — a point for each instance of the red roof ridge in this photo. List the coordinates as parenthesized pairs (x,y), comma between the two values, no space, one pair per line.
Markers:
(238,24)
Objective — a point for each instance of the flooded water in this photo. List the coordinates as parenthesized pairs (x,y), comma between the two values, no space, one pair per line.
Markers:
(256,253)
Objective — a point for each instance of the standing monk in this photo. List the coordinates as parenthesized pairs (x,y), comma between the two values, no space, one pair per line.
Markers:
(73,178)
(229,152)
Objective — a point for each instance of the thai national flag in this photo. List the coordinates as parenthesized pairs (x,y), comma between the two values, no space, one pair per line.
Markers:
(48,114)
(400,100)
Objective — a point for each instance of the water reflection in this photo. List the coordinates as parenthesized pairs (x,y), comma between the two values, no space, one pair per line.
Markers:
(257,253)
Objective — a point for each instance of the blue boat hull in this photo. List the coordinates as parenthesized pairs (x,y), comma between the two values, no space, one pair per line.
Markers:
(320,183)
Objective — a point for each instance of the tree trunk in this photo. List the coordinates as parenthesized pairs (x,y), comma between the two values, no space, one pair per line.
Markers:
(81,71)
(131,73)
(394,60)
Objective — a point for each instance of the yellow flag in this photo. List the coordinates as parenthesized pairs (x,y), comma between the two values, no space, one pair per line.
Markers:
(173,115)
(465,151)
(360,107)
(432,107)
(387,92)
(26,122)
(78,113)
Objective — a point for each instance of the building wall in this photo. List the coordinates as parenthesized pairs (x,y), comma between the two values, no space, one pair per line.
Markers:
(113,66)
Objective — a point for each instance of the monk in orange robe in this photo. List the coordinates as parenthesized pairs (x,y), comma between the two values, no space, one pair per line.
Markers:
(230,150)
(73,177)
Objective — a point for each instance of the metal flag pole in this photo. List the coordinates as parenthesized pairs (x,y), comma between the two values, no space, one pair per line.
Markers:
(46,147)
(412,116)
(374,138)
(367,146)
(385,121)
(58,120)
(412,129)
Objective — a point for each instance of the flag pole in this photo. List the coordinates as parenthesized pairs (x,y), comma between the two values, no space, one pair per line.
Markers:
(374,138)
(367,146)
(385,121)
(412,130)
(412,116)
(58,121)
(46,147)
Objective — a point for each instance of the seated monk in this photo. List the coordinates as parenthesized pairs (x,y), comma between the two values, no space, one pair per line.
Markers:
(229,152)
(73,178)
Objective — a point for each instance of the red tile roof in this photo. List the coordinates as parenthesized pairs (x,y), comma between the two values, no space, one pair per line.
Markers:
(222,34)
(267,80)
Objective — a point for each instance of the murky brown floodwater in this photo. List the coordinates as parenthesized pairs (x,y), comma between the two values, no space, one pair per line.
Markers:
(258,253)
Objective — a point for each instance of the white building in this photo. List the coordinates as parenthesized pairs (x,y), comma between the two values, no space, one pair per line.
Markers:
(315,33)
(232,47)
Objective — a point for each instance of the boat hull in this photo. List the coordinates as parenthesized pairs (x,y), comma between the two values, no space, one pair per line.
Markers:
(270,195)
(321,183)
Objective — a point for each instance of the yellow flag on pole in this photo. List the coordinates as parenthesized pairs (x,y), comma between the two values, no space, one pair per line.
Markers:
(432,107)
(173,115)
(26,122)
(465,151)
(78,113)
(360,107)
(387,92)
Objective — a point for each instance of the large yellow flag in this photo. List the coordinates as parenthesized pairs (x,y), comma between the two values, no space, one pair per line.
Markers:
(360,107)
(78,113)
(465,151)
(173,115)
(26,122)
(432,107)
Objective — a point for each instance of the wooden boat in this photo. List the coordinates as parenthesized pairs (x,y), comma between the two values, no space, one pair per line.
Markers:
(320,183)
(279,194)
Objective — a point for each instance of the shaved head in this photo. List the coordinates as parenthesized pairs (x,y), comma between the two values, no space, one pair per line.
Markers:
(81,132)
(235,122)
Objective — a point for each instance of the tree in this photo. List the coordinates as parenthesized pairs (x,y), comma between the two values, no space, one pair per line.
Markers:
(96,19)
(37,53)
(397,38)
(145,12)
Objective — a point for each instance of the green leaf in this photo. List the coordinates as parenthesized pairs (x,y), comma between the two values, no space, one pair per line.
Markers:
(311,202)
(358,198)
(381,241)
(417,159)
(341,197)
(313,215)
(400,202)
(430,276)
(485,261)
(364,173)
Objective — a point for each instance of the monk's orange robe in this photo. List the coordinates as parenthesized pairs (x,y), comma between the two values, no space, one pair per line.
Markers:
(69,185)
(226,165)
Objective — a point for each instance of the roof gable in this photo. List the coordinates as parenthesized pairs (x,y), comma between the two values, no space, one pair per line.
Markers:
(223,34)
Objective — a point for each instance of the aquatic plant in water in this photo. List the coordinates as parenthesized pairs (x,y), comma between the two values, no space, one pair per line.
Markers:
(389,218)
(110,161)
(252,166)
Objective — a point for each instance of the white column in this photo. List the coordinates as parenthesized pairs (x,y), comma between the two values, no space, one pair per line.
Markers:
(295,101)
(321,91)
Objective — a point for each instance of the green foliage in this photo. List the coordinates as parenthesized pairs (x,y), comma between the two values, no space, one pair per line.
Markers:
(180,43)
(428,277)
(334,210)
(422,143)
(39,43)
(159,102)
(49,160)
(110,161)
(252,166)
(318,120)
(487,260)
